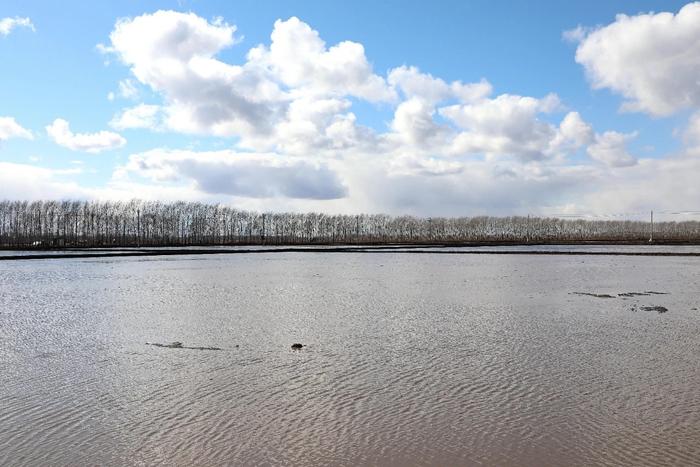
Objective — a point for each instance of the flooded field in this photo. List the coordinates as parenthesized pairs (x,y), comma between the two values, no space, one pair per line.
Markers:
(408,359)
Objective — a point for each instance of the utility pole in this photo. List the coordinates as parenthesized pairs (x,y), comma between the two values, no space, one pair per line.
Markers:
(651,224)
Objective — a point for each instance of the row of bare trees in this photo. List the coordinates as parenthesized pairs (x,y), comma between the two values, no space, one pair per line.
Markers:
(42,224)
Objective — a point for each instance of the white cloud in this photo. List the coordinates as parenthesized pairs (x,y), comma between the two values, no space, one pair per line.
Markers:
(239,174)
(610,148)
(653,60)
(409,165)
(293,96)
(505,125)
(414,125)
(312,124)
(664,184)
(29,182)
(575,129)
(173,54)
(140,116)
(8,24)
(9,128)
(572,134)
(300,59)
(59,131)
(415,84)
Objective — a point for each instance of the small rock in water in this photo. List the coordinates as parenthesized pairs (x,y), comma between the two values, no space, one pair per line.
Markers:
(297,346)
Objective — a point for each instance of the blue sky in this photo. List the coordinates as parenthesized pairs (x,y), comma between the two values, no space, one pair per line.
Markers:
(55,70)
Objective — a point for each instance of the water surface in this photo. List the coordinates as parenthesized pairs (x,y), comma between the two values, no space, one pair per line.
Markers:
(410,360)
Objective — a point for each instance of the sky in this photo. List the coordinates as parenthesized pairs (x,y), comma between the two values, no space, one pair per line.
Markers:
(451,108)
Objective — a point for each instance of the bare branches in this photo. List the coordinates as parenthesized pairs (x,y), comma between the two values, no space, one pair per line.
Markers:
(56,224)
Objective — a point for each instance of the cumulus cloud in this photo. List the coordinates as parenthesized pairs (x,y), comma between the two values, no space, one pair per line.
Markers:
(610,149)
(59,131)
(174,54)
(573,128)
(300,59)
(653,60)
(8,24)
(9,128)
(260,101)
(240,174)
(415,84)
(293,96)
(414,125)
(505,125)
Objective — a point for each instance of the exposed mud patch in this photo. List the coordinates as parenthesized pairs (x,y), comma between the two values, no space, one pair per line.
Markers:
(626,295)
(596,295)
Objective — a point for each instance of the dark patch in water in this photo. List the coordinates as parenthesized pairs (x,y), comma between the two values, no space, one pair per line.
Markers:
(178,345)
(659,309)
(633,294)
(596,295)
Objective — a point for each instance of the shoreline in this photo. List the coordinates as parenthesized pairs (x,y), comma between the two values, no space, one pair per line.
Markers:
(116,252)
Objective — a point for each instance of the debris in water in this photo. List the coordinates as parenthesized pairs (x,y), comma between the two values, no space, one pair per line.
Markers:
(660,309)
(297,346)
(656,293)
(633,294)
(172,345)
(178,345)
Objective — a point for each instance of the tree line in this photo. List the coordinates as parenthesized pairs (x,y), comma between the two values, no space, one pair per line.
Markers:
(43,224)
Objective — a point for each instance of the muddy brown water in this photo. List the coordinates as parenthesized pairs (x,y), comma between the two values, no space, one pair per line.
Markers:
(407,360)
